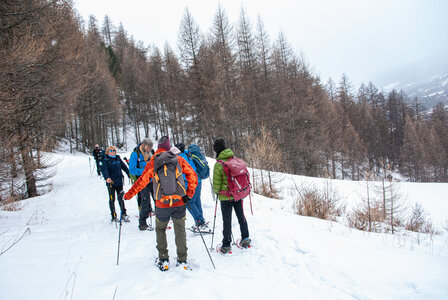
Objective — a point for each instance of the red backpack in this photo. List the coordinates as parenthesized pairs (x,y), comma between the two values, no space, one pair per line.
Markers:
(238,179)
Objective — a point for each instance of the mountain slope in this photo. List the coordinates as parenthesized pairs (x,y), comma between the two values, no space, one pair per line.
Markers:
(430,93)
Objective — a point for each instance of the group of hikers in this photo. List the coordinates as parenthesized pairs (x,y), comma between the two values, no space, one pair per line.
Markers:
(172,177)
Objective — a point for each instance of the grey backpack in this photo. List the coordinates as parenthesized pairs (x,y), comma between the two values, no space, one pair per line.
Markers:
(168,179)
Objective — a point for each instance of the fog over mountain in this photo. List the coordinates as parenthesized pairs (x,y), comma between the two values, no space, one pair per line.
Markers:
(427,80)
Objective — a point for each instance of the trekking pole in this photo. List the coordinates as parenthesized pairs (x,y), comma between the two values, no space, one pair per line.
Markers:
(214,223)
(150,217)
(214,220)
(206,249)
(112,200)
(119,238)
(187,201)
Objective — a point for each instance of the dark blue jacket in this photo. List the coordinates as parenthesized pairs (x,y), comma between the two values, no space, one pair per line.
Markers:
(98,154)
(112,167)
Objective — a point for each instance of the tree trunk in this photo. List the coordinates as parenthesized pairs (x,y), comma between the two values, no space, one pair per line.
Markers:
(28,168)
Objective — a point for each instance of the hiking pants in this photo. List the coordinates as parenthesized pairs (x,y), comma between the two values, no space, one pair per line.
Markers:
(196,206)
(163,216)
(98,166)
(144,205)
(226,210)
(112,190)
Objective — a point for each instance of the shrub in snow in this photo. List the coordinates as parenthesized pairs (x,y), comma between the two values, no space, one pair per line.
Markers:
(320,203)
(266,190)
(418,222)
(366,217)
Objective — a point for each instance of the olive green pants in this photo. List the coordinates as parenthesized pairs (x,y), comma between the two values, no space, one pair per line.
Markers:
(177,214)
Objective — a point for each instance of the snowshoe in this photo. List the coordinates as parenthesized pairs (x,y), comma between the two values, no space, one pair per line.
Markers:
(244,243)
(223,250)
(125,218)
(202,228)
(163,264)
(184,265)
(203,224)
(143,227)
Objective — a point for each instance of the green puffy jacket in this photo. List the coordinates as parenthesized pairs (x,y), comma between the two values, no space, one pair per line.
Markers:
(219,178)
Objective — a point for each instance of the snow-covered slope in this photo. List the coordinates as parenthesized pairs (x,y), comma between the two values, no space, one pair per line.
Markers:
(70,250)
(431,92)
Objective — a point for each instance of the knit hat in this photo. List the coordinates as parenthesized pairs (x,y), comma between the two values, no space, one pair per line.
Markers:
(219,145)
(164,143)
(181,147)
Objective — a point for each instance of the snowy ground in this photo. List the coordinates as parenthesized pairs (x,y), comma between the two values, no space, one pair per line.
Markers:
(70,250)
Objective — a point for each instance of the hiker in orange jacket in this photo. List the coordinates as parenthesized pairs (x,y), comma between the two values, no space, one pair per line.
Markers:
(171,206)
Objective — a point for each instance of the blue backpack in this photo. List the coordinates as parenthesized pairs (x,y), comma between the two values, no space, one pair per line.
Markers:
(199,160)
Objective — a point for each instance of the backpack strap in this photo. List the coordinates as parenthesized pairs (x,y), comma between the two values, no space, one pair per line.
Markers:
(138,157)
(227,173)
(200,160)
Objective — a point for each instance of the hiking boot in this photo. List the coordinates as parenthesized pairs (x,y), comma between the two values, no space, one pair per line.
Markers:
(143,226)
(162,264)
(125,218)
(245,243)
(183,264)
(225,250)
(203,226)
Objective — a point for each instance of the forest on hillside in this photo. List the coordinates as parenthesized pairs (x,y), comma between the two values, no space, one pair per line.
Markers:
(64,79)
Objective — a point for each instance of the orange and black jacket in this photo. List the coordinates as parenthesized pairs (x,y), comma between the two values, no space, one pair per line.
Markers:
(148,173)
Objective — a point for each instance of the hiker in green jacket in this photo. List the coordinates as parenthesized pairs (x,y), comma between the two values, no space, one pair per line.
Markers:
(227,202)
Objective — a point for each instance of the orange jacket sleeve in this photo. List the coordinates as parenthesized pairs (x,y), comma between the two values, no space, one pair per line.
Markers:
(192,178)
(142,181)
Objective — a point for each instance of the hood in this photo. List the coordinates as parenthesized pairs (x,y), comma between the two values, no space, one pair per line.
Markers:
(225,154)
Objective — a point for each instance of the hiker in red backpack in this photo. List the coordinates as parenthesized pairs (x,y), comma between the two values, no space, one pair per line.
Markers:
(221,188)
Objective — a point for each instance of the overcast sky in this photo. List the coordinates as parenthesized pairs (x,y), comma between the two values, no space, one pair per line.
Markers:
(365,39)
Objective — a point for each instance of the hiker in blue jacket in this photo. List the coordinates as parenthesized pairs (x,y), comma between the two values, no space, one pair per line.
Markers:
(137,163)
(112,167)
(195,208)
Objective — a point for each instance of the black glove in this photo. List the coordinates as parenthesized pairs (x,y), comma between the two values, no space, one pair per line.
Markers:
(187,199)
(120,196)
